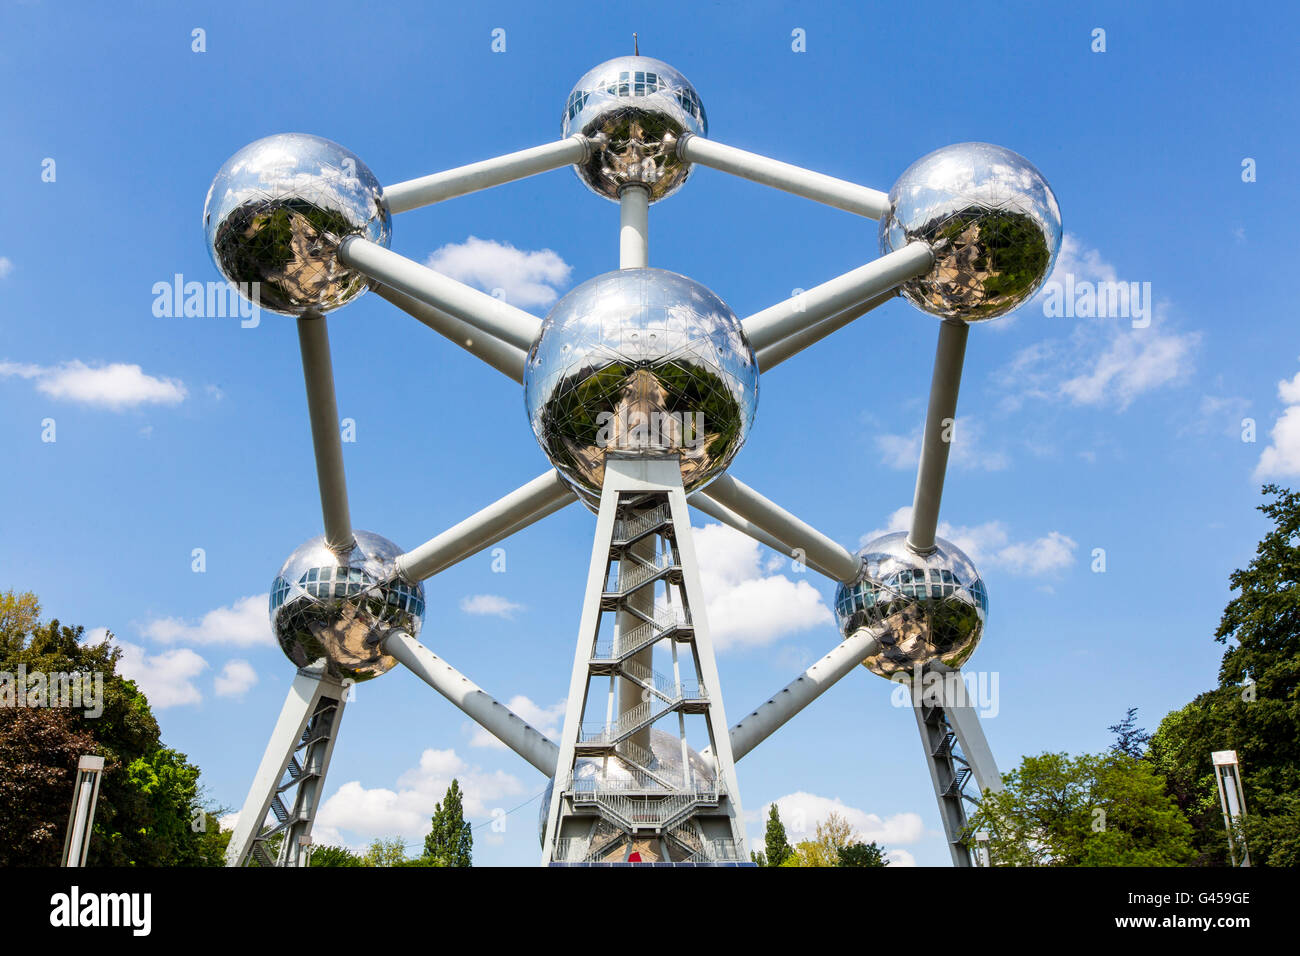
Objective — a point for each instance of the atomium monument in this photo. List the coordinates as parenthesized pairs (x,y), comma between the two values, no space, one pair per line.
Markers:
(641,386)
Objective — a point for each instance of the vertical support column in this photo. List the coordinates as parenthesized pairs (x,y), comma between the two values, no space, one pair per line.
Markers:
(322,407)
(81,822)
(308,723)
(936,442)
(634,227)
(937,739)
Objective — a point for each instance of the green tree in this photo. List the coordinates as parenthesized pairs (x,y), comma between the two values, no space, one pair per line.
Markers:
(775,844)
(832,835)
(862,854)
(1129,738)
(1255,710)
(450,841)
(149,811)
(1106,809)
(334,856)
(390,852)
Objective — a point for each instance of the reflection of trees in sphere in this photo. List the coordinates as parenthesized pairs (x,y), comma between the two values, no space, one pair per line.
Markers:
(992,222)
(929,607)
(597,773)
(276,212)
(640,363)
(636,102)
(339,607)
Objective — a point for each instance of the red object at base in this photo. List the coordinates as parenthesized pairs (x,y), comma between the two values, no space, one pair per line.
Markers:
(634,858)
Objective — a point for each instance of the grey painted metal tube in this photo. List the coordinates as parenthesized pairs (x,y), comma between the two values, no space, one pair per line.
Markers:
(802,691)
(807,309)
(485,710)
(966,724)
(502,356)
(778,352)
(823,553)
(704,503)
(478,309)
(818,187)
(426,190)
(322,408)
(634,227)
(544,495)
(937,440)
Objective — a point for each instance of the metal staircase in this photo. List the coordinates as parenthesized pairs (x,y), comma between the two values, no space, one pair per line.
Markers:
(950,773)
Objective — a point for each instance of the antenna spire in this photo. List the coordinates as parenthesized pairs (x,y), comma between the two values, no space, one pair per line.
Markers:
(636,47)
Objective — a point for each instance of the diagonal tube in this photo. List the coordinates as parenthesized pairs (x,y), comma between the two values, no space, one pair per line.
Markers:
(822,553)
(426,190)
(704,503)
(799,313)
(778,352)
(802,691)
(322,408)
(937,440)
(478,309)
(818,187)
(489,713)
(502,356)
(544,495)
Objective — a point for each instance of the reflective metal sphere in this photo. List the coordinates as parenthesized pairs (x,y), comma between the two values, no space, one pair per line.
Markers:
(992,221)
(595,773)
(276,212)
(640,363)
(640,105)
(338,607)
(931,607)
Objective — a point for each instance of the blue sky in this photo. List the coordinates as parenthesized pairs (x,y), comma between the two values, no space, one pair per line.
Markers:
(1081,433)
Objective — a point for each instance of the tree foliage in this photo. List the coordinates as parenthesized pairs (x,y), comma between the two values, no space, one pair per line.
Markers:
(862,854)
(1106,809)
(451,840)
(148,811)
(1255,710)
(776,846)
(1129,737)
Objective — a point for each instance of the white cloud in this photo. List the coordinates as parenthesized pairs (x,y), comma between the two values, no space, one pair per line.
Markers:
(990,545)
(167,679)
(493,605)
(117,386)
(405,811)
(1281,458)
(902,452)
(243,624)
(747,607)
(6,267)
(235,679)
(802,811)
(545,720)
(526,278)
(1103,362)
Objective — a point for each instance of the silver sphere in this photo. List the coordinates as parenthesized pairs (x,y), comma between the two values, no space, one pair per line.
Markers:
(595,773)
(640,363)
(930,607)
(275,215)
(992,221)
(339,607)
(639,105)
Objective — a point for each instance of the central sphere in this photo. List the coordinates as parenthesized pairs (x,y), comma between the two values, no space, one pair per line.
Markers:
(639,106)
(340,606)
(640,363)
(927,607)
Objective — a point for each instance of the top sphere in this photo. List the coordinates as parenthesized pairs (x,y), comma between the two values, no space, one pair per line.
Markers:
(640,363)
(276,213)
(640,106)
(992,221)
